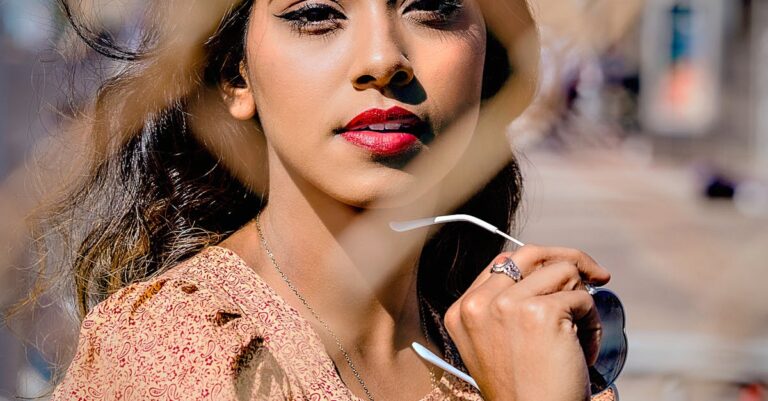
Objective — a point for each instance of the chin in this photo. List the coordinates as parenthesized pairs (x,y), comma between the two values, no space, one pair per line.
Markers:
(390,190)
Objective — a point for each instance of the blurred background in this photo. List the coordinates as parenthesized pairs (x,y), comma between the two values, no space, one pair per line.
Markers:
(647,147)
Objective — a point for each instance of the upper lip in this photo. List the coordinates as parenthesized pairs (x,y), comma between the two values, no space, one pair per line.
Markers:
(392,119)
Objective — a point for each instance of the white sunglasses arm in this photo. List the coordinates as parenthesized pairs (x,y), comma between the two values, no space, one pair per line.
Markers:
(430,357)
(408,225)
(401,226)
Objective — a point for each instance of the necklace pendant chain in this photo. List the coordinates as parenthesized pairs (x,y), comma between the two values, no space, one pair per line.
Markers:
(303,300)
(322,322)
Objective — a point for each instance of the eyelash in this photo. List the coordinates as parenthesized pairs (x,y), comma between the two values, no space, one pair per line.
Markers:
(434,13)
(299,19)
(439,14)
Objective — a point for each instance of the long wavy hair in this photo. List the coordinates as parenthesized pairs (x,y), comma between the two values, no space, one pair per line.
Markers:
(155,194)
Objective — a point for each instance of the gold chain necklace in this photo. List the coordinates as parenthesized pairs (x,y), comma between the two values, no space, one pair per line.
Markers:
(311,310)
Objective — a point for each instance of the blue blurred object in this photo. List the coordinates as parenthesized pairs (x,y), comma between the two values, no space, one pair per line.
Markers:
(38,362)
(681,46)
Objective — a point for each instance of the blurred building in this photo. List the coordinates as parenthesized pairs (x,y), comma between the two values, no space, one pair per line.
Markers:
(656,166)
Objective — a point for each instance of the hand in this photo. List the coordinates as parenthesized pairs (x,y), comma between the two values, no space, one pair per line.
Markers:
(534,339)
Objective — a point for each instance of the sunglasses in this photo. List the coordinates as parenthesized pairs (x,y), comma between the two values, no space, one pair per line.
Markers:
(613,340)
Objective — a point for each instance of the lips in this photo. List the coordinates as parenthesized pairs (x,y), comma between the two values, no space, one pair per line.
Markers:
(385,132)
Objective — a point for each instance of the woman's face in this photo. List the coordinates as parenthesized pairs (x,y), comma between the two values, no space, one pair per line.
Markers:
(348,91)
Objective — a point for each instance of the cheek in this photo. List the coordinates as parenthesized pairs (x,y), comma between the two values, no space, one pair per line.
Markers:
(453,75)
(292,75)
(290,82)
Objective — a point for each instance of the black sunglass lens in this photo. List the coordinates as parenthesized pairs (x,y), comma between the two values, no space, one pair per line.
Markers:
(613,344)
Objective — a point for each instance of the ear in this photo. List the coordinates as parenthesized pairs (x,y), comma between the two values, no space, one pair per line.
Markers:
(238,96)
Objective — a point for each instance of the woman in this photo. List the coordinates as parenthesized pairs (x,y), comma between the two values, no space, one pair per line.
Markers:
(200,281)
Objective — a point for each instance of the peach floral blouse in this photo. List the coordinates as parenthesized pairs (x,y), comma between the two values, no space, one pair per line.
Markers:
(211,329)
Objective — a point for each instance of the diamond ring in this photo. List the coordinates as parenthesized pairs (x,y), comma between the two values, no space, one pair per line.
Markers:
(508,267)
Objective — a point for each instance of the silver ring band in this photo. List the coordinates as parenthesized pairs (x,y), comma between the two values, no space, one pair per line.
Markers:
(508,267)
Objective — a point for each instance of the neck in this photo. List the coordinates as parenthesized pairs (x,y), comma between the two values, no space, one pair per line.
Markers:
(358,275)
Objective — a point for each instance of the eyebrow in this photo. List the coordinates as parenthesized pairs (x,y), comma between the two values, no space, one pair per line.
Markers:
(389,2)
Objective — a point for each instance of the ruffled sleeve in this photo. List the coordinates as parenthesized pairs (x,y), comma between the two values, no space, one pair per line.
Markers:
(171,339)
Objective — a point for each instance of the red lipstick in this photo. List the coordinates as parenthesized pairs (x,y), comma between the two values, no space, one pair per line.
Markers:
(384,132)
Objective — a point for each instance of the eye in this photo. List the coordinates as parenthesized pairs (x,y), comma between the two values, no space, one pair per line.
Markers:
(314,18)
(434,12)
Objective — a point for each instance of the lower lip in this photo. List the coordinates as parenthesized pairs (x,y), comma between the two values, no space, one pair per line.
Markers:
(382,144)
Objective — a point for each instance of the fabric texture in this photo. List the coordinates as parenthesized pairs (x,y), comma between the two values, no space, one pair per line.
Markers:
(211,329)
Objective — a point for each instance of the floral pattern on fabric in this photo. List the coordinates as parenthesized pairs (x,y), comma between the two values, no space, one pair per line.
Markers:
(210,329)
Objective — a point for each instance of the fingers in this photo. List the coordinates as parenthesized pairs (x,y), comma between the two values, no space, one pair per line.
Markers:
(561,313)
(537,257)
(486,274)
(583,318)
(559,276)
(530,259)
(552,319)
(545,270)
(570,313)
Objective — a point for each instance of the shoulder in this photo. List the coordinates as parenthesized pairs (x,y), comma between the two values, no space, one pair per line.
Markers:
(178,335)
(181,300)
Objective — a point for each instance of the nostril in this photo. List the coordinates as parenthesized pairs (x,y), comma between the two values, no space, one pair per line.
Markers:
(365,80)
(401,78)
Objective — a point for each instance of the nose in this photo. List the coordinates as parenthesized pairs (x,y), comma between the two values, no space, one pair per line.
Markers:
(381,61)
